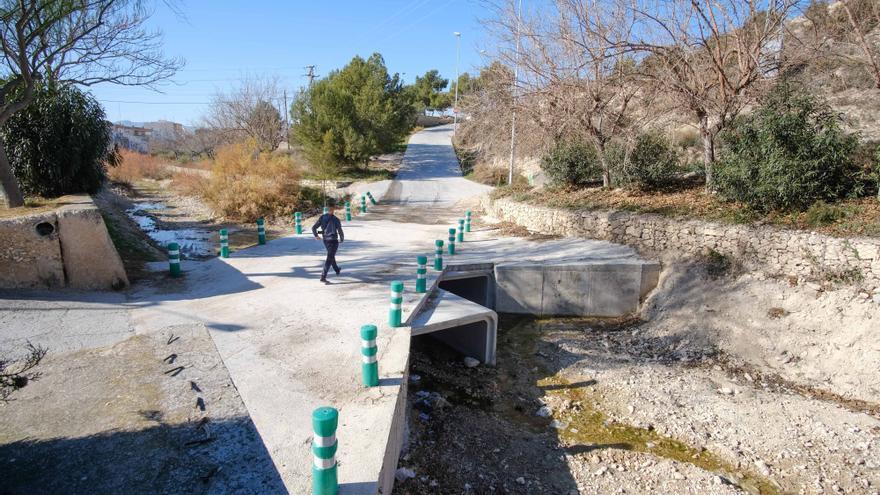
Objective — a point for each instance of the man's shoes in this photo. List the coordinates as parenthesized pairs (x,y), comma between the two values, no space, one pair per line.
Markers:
(324,280)
(338,271)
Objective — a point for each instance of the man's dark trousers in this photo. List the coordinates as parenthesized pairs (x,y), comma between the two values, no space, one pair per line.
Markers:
(331,246)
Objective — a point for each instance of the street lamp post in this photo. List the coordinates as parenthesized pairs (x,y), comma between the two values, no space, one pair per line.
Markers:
(514,94)
(455,104)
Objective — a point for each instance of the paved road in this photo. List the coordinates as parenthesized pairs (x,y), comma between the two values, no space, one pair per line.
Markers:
(430,175)
(289,343)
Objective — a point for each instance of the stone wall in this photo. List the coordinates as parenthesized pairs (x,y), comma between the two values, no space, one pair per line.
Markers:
(65,247)
(773,251)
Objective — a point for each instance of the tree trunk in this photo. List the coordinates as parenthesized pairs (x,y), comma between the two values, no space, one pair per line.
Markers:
(708,150)
(10,186)
(603,162)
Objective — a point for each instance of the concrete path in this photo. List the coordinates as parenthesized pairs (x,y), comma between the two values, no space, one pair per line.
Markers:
(290,343)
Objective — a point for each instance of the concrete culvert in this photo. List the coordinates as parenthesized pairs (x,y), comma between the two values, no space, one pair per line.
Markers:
(44,229)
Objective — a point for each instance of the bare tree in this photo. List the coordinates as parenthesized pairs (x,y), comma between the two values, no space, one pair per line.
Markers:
(848,30)
(711,56)
(248,112)
(574,81)
(82,42)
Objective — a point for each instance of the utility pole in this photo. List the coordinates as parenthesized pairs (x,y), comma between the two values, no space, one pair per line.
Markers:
(455,105)
(311,74)
(286,120)
(514,93)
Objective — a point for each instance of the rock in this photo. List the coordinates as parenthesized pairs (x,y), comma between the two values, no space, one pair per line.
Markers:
(559,425)
(814,286)
(521,480)
(403,474)
(725,391)
(762,467)
(602,470)
(631,409)
(544,412)
(877,298)
(471,362)
(414,378)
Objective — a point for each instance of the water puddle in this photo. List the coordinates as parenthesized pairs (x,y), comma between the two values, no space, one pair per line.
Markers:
(194,243)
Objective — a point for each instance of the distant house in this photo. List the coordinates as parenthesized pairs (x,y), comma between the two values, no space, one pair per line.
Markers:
(132,138)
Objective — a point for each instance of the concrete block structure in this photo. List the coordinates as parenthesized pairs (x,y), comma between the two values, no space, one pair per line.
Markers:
(65,247)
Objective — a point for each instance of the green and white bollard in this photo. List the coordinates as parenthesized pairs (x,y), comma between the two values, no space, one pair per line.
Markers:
(438,254)
(460,230)
(369,353)
(297,222)
(224,243)
(326,210)
(451,246)
(261,231)
(363,204)
(467,221)
(372,199)
(395,314)
(174,259)
(422,275)
(347,211)
(325,480)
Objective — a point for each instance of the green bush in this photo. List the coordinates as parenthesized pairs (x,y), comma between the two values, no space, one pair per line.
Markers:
(652,164)
(787,154)
(60,143)
(821,214)
(572,163)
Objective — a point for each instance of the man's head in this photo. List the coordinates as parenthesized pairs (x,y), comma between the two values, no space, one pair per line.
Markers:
(331,206)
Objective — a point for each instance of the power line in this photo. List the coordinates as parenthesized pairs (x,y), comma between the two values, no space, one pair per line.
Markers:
(311,74)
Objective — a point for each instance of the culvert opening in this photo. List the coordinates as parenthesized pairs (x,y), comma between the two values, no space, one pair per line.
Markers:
(44,229)
(479,289)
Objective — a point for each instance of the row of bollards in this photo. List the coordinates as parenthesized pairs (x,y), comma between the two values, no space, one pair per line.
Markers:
(174,248)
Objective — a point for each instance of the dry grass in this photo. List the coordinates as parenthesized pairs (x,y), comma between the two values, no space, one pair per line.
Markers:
(189,184)
(136,166)
(246,184)
(852,217)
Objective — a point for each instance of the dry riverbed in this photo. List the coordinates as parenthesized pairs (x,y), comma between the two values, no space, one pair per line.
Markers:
(597,406)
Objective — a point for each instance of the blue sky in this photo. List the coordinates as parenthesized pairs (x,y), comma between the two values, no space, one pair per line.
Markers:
(226,40)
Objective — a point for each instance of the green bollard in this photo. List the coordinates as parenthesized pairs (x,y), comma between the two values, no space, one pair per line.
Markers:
(369,354)
(174,259)
(395,314)
(451,245)
(438,255)
(460,230)
(372,199)
(422,275)
(363,204)
(261,231)
(326,210)
(325,480)
(297,221)
(224,243)
(347,211)
(467,221)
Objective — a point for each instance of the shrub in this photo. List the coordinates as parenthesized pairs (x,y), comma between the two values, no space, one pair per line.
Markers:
(652,163)
(189,183)
(246,184)
(60,143)
(134,166)
(786,155)
(821,213)
(572,163)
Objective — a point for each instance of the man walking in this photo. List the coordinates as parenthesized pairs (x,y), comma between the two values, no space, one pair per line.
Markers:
(331,230)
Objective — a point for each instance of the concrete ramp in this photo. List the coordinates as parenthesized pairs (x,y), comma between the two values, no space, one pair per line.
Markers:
(461,324)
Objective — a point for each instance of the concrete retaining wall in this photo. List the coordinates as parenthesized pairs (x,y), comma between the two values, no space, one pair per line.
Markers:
(775,252)
(65,247)
(575,289)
